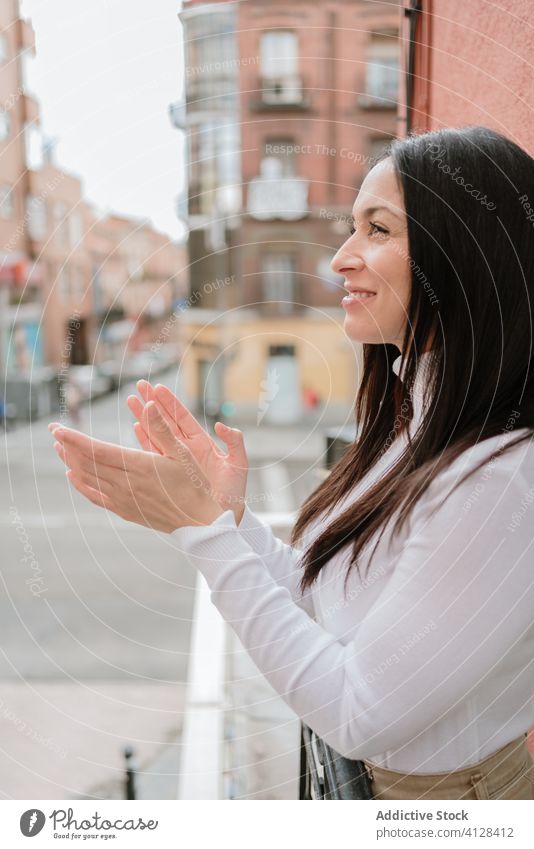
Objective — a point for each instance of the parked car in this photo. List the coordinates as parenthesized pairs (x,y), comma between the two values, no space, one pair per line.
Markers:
(147,363)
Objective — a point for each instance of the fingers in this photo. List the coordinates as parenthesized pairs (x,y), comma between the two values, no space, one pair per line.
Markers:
(136,406)
(179,413)
(234,440)
(146,390)
(143,439)
(159,432)
(101,453)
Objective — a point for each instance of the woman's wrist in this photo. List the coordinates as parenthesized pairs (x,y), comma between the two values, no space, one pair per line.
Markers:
(235,503)
(209,509)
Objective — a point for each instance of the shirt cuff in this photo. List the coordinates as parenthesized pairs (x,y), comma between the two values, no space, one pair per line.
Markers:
(253,529)
(193,540)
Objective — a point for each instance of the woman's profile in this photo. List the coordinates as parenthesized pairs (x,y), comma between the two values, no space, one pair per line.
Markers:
(398,622)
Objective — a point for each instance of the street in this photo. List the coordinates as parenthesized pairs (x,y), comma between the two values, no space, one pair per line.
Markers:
(96,616)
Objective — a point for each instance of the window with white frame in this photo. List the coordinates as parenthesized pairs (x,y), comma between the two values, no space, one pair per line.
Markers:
(3,47)
(382,69)
(61,223)
(33,140)
(279,58)
(5,124)
(282,149)
(279,53)
(36,217)
(75,228)
(7,206)
(77,283)
(64,284)
(214,162)
(27,69)
(278,277)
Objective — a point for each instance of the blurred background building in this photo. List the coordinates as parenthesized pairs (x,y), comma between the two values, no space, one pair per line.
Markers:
(286,107)
(77,290)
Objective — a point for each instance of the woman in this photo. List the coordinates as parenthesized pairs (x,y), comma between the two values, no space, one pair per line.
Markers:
(398,623)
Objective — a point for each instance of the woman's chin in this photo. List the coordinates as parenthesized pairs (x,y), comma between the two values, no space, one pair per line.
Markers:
(357,332)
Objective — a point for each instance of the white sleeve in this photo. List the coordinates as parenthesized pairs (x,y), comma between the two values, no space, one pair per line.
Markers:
(281,560)
(460,596)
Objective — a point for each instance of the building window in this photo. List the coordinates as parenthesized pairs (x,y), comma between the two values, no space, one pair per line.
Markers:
(282,149)
(279,58)
(27,68)
(64,284)
(214,168)
(281,350)
(7,206)
(77,284)
(75,229)
(36,217)
(5,124)
(210,54)
(278,277)
(3,47)
(382,69)
(34,146)
(279,53)
(61,224)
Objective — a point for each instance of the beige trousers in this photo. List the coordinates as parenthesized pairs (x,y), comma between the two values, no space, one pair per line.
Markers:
(506,774)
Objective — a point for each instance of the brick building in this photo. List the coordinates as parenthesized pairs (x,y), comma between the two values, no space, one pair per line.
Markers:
(471,64)
(20,277)
(138,277)
(73,286)
(286,106)
(56,224)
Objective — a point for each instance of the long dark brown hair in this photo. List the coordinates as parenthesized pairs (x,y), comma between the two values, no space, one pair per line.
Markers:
(467,195)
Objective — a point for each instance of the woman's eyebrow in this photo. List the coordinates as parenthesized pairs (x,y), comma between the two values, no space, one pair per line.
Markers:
(372,209)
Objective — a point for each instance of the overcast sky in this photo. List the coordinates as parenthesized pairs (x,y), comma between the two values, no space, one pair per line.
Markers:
(105,73)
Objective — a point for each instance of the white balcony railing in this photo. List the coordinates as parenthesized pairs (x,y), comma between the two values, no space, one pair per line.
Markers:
(278,197)
(240,740)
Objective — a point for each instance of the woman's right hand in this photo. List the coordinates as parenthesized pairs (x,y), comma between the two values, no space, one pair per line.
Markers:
(226,473)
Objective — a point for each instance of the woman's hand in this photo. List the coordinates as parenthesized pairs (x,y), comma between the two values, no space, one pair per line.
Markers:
(160,492)
(226,473)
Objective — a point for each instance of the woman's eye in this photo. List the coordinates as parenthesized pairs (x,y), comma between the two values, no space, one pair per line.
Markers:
(373,228)
(376,228)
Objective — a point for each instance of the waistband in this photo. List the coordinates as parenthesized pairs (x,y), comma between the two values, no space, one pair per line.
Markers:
(501,766)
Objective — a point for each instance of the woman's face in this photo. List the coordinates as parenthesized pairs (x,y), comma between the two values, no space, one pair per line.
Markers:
(375,257)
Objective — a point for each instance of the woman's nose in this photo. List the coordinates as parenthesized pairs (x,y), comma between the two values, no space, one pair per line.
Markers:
(345,259)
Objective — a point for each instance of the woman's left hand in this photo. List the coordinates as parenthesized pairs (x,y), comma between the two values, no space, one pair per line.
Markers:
(160,492)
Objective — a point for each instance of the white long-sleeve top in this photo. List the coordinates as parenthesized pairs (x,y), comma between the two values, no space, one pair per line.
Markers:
(427,663)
